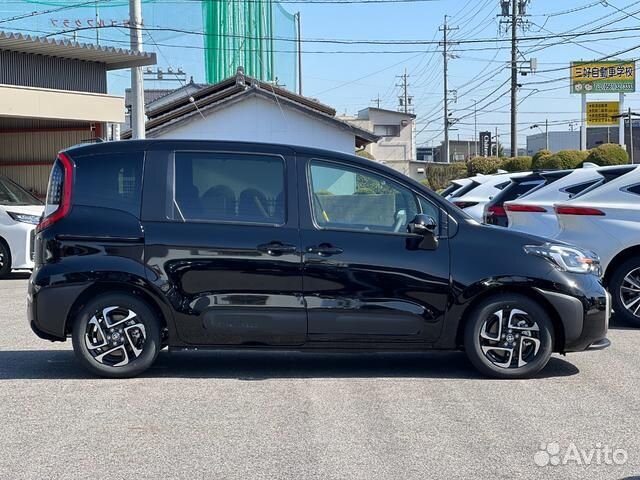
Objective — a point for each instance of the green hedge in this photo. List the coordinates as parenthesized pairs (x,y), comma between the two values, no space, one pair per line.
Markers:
(539,158)
(608,154)
(440,174)
(566,159)
(517,164)
(483,165)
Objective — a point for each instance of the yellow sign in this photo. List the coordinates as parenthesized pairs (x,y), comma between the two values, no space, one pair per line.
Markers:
(603,77)
(602,114)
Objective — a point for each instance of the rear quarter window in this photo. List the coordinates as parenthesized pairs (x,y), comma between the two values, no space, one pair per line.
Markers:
(110,180)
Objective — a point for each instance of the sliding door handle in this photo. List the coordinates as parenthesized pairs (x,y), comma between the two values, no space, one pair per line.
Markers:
(324,250)
(276,249)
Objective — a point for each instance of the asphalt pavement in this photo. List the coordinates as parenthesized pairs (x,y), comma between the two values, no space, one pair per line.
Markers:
(239,415)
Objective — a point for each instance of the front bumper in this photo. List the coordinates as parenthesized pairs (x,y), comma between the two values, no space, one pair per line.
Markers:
(584,315)
(20,238)
(600,344)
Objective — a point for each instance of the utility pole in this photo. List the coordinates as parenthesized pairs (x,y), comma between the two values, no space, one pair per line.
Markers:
(546,132)
(297,15)
(513,12)
(631,135)
(137,78)
(405,98)
(514,78)
(445,29)
(475,125)
(376,101)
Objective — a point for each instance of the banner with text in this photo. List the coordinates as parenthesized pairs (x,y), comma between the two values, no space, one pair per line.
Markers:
(603,77)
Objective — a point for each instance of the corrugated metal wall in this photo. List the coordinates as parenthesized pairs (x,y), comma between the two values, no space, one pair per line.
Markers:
(21,144)
(52,72)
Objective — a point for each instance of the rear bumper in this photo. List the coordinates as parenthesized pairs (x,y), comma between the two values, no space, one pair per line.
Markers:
(48,309)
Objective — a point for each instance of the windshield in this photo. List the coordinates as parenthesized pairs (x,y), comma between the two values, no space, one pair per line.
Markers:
(13,194)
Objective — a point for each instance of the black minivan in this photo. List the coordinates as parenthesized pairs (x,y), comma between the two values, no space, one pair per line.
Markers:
(227,245)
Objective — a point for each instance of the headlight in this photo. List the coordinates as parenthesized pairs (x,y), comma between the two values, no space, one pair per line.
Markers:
(24,218)
(567,259)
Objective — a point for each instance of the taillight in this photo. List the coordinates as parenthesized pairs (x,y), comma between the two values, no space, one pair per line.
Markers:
(496,211)
(465,204)
(58,196)
(525,208)
(579,211)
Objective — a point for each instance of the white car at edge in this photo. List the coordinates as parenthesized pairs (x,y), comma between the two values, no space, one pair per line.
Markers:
(605,218)
(20,212)
(533,213)
(474,201)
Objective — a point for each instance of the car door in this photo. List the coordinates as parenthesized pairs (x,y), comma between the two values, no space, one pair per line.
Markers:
(227,252)
(365,278)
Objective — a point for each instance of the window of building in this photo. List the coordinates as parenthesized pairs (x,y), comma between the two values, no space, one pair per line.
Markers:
(387,130)
(229,187)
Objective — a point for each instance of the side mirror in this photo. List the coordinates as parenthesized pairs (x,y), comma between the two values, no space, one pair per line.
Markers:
(422,225)
(424,228)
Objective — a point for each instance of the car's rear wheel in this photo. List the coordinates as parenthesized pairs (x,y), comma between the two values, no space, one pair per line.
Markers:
(5,259)
(116,335)
(509,336)
(624,287)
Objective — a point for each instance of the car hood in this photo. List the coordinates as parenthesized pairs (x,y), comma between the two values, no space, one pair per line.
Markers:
(525,238)
(26,209)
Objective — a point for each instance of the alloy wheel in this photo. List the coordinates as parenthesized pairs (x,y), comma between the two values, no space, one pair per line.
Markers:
(115,336)
(630,292)
(510,338)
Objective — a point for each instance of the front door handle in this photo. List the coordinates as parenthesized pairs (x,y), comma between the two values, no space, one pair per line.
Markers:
(276,249)
(324,250)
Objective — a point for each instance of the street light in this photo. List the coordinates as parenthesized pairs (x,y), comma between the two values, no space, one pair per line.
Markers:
(546,132)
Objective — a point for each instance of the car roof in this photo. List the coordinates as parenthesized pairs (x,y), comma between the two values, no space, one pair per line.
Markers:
(488,188)
(610,193)
(550,191)
(130,146)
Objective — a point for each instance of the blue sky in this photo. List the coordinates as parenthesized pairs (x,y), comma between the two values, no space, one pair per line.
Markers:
(349,81)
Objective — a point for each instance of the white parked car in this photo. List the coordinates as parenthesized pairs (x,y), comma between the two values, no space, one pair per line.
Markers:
(464,186)
(605,218)
(474,201)
(20,212)
(534,213)
(454,186)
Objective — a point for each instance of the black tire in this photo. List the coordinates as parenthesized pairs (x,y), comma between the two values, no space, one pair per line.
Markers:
(522,337)
(84,327)
(5,259)
(616,284)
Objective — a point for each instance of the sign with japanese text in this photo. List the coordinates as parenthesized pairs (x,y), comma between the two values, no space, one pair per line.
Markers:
(602,114)
(603,77)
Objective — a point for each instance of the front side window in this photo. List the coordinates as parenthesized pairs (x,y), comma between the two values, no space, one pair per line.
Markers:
(229,187)
(353,199)
(12,194)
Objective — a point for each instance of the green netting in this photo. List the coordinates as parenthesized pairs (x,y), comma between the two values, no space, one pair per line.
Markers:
(249,34)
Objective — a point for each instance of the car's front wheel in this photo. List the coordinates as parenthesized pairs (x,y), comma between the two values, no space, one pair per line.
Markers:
(116,335)
(5,259)
(509,336)
(624,287)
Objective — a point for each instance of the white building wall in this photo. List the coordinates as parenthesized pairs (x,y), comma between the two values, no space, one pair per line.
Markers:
(557,141)
(256,119)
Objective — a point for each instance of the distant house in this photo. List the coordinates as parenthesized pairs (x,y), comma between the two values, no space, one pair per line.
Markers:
(396,146)
(245,109)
